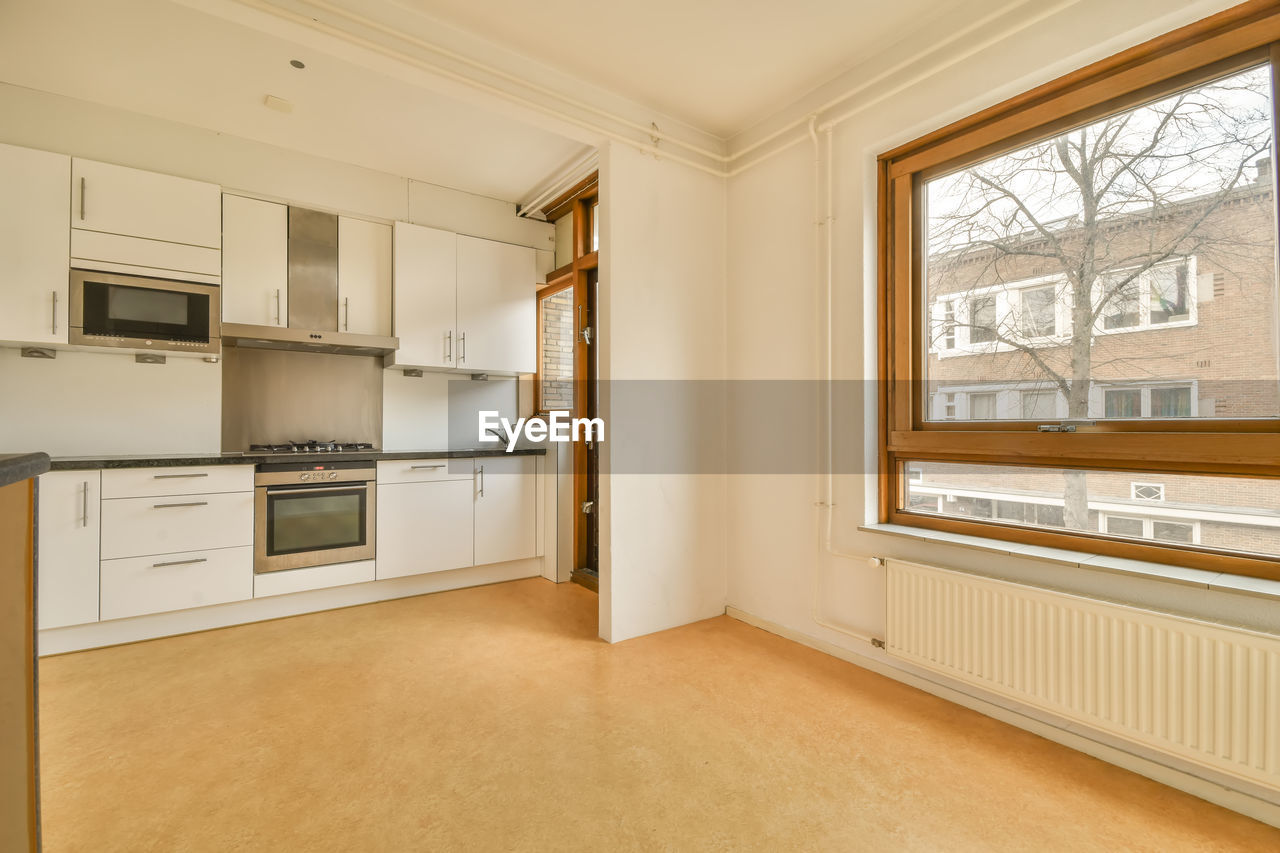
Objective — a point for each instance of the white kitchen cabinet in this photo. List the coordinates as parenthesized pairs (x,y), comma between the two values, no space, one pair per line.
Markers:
(425,307)
(255,261)
(136,203)
(497,309)
(33,245)
(176,480)
(364,277)
(68,522)
(506,508)
(424,527)
(137,586)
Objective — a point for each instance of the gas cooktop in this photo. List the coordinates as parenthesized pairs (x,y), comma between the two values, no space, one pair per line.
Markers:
(312,446)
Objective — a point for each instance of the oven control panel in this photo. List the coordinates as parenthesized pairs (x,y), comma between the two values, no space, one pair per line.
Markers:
(317,476)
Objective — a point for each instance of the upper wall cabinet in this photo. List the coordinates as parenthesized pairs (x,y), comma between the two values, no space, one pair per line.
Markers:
(464,303)
(255,261)
(129,220)
(364,277)
(497,308)
(426,296)
(33,245)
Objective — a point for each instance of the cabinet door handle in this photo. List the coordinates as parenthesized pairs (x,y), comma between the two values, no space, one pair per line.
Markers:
(170,506)
(462,347)
(82,194)
(416,467)
(481,481)
(178,476)
(180,563)
(84,505)
(346,313)
(448,343)
(55,312)
(277,306)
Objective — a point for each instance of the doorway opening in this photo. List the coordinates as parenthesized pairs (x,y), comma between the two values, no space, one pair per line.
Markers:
(568,343)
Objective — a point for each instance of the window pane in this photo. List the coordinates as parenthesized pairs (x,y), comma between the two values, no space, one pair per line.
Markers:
(1132,251)
(982,407)
(1119,525)
(1170,402)
(1123,402)
(1039,307)
(1039,405)
(555,372)
(982,319)
(1173,531)
(1228,513)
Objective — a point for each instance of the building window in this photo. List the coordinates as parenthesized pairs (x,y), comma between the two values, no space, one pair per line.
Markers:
(1039,309)
(982,319)
(1039,405)
(1146,491)
(1063,233)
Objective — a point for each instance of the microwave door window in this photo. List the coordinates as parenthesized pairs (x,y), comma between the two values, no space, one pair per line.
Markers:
(315,522)
(141,312)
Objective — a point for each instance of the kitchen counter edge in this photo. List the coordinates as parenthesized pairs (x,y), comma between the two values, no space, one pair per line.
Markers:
(82,463)
(16,467)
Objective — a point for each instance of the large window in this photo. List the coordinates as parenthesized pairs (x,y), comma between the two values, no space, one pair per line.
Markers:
(1080,284)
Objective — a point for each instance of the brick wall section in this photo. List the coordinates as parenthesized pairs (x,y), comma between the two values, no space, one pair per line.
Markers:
(556,370)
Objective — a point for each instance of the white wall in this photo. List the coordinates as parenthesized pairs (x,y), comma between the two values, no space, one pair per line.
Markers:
(662,289)
(783,565)
(83,404)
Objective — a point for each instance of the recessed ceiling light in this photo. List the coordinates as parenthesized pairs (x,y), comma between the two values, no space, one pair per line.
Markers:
(297,63)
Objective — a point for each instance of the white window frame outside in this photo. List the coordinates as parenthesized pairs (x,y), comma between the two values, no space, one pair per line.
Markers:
(1133,490)
(1148,524)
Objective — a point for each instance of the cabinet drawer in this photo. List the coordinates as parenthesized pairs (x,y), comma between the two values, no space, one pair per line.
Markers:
(134,527)
(140,585)
(425,470)
(157,482)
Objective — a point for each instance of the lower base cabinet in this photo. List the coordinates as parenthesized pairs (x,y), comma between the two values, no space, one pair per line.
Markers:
(424,527)
(506,524)
(68,524)
(136,586)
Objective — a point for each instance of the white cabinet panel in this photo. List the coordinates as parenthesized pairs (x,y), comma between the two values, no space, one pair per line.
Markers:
(425,304)
(315,577)
(33,245)
(178,480)
(68,522)
(141,585)
(364,277)
(93,250)
(497,309)
(506,509)
(136,203)
(424,527)
(133,527)
(255,261)
(425,470)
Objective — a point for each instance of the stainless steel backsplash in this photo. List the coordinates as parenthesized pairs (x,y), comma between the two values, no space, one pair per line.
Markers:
(273,396)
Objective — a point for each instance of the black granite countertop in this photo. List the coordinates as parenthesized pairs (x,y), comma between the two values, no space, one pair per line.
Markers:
(73,463)
(22,466)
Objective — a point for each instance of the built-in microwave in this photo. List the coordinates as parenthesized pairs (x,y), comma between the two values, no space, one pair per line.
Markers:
(136,312)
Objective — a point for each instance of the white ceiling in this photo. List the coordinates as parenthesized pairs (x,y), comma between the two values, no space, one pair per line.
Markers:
(718,65)
(166,60)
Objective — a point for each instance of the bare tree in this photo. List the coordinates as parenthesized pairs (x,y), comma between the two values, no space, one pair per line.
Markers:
(1093,213)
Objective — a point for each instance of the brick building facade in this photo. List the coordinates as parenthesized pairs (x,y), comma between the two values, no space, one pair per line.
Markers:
(1189,330)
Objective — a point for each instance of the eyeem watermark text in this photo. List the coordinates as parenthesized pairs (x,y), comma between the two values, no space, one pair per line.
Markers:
(557,427)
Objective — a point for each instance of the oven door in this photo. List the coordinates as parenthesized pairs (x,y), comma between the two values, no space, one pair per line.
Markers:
(299,526)
(109,309)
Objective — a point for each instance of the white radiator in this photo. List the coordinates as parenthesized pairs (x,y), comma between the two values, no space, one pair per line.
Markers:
(1204,692)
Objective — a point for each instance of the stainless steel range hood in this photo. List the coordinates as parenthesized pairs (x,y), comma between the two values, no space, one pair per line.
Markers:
(313,297)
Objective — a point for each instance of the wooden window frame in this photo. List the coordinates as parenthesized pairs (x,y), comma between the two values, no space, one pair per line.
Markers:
(1235,39)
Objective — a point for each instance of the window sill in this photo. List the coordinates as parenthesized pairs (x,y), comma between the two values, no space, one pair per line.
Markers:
(1218,581)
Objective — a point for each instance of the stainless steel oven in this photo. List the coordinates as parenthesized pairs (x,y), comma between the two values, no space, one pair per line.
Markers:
(135,312)
(313,514)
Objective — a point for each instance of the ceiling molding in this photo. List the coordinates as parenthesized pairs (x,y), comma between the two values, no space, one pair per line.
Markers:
(533,205)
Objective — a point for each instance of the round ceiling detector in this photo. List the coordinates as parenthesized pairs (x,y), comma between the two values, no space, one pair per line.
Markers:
(297,63)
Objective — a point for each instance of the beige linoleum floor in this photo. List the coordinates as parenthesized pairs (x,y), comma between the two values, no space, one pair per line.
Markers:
(492,719)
